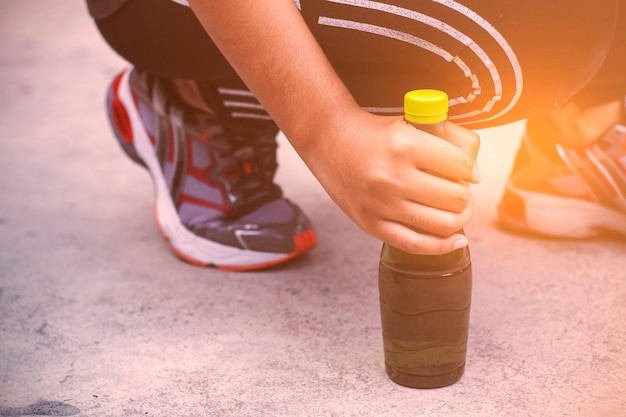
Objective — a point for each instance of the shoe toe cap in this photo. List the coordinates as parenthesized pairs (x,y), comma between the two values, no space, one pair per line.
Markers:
(274,227)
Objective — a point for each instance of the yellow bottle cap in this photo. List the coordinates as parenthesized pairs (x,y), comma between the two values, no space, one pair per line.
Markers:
(425,106)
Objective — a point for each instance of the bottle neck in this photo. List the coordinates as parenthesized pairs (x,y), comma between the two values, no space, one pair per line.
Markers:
(448,263)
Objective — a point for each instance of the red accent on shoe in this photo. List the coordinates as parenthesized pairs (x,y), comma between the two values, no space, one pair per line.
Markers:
(121,120)
(119,115)
(305,241)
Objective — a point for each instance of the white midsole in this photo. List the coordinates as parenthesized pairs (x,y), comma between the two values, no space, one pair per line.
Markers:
(567,217)
(180,237)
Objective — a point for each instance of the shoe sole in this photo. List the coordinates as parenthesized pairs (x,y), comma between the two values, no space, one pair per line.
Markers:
(558,217)
(184,243)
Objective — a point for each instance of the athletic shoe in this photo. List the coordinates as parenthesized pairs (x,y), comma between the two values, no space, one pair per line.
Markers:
(216,202)
(568,193)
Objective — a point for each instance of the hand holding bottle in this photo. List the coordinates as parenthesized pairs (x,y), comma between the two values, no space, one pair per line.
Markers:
(392,179)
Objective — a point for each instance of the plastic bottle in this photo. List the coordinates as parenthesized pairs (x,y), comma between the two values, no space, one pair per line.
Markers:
(425,299)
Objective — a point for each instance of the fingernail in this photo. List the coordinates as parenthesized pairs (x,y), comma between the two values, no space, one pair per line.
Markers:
(461,242)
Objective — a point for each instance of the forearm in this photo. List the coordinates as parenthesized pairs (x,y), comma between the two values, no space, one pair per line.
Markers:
(273,51)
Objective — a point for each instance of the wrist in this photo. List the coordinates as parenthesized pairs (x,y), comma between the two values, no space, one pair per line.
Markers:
(316,131)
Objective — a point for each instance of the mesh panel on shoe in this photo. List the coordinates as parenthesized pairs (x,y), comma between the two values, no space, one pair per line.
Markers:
(200,154)
(276,211)
(198,215)
(202,191)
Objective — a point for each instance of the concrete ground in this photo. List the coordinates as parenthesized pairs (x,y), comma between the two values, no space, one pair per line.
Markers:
(99,318)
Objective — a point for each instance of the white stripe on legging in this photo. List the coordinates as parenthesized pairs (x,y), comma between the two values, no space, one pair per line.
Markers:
(243,105)
(235,92)
(449,30)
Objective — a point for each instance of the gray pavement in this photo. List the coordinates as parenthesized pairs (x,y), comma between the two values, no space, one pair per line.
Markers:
(99,318)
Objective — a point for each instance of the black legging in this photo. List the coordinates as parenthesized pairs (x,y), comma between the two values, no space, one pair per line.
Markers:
(498,60)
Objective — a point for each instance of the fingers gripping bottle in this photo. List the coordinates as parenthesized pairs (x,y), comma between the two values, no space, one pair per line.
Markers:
(425,299)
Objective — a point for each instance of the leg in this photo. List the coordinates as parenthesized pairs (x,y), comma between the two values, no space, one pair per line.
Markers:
(569,178)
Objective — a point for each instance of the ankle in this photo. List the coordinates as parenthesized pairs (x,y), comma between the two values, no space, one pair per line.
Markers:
(187,91)
(577,127)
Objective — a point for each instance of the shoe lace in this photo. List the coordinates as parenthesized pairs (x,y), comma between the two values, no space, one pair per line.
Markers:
(245,155)
(247,165)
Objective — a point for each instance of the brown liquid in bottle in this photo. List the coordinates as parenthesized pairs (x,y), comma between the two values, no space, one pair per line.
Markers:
(425,307)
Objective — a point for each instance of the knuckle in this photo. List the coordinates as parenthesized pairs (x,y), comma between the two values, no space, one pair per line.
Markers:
(378,181)
(449,228)
(378,175)
(407,244)
(456,201)
(400,145)
(465,167)
(468,214)
(415,244)
(452,224)
(475,141)
(465,197)
(460,199)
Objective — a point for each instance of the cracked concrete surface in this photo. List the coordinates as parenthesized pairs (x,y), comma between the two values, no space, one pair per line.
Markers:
(98,318)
